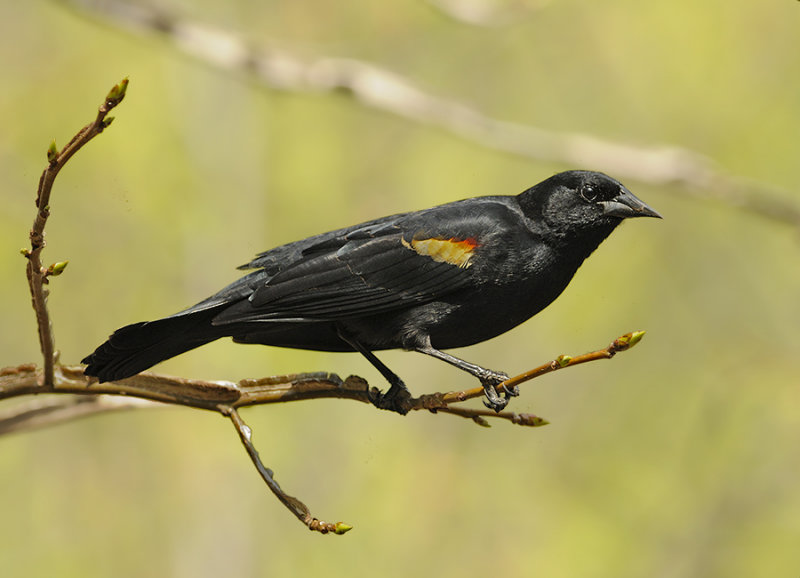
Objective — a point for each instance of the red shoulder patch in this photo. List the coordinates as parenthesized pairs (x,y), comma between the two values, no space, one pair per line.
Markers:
(457,252)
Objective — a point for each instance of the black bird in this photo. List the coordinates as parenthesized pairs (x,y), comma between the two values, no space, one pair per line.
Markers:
(444,277)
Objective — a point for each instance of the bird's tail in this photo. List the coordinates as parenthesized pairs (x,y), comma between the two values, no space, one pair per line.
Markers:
(139,346)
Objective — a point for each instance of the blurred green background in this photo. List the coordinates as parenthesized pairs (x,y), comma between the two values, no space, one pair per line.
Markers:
(679,458)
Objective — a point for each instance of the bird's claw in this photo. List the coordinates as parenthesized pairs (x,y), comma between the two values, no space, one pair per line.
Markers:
(397,399)
(494,400)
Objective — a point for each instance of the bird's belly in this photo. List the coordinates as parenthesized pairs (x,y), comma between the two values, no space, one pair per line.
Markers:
(475,320)
(475,324)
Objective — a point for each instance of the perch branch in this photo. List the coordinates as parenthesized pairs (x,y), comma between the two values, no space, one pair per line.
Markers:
(226,397)
(622,343)
(223,396)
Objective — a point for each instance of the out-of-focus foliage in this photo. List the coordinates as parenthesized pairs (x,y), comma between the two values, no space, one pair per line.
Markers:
(677,459)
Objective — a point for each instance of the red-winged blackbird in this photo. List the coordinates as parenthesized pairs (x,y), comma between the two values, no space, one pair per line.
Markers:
(444,277)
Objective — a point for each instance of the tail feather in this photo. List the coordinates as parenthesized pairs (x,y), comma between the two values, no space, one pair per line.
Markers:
(137,347)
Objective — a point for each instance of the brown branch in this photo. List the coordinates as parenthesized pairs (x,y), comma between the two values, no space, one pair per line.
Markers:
(295,506)
(45,412)
(375,87)
(36,273)
(226,397)
(223,396)
(479,416)
(622,343)
(197,393)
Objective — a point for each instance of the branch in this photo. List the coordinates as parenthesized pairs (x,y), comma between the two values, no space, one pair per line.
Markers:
(486,13)
(88,398)
(376,87)
(298,508)
(225,396)
(38,275)
(622,343)
(38,412)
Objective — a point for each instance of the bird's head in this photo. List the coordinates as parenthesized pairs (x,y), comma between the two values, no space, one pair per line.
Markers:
(582,202)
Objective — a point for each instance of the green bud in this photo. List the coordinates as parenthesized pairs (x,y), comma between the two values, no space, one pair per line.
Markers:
(628,340)
(57,269)
(563,360)
(529,420)
(341,528)
(117,93)
(52,152)
(636,337)
(480,421)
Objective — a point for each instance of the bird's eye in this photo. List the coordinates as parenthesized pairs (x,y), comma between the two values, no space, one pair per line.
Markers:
(589,193)
(597,192)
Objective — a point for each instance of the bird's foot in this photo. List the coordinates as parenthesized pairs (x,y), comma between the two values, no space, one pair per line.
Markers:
(397,399)
(495,401)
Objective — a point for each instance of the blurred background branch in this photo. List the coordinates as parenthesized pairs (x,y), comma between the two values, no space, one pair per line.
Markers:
(488,13)
(377,87)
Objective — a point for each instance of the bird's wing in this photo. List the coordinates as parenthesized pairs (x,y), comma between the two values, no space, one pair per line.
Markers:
(377,267)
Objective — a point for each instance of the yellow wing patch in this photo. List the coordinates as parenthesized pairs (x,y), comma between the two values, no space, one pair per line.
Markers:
(457,252)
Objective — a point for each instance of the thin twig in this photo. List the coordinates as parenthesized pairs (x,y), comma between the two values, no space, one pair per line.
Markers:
(622,343)
(36,273)
(295,506)
(376,87)
(479,416)
(45,412)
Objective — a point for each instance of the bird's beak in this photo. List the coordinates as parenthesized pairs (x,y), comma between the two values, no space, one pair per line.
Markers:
(626,205)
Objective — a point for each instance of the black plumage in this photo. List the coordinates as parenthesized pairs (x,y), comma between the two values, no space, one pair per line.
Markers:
(440,278)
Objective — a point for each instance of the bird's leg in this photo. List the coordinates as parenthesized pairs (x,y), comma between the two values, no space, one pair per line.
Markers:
(488,378)
(398,397)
